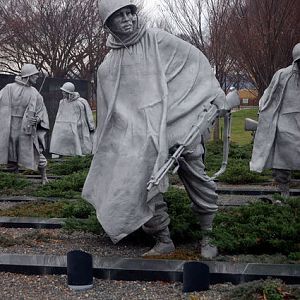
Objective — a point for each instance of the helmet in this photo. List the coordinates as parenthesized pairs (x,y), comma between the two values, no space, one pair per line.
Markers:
(28,70)
(296,52)
(108,7)
(68,87)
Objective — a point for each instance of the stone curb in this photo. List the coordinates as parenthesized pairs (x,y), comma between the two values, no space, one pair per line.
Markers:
(117,268)
(26,199)
(253,192)
(28,222)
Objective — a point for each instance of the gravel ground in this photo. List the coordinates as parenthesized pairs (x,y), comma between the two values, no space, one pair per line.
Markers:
(59,242)
(23,287)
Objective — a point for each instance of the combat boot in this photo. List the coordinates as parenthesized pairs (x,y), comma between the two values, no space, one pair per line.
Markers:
(207,249)
(43,175)
(284,190)
(164,244)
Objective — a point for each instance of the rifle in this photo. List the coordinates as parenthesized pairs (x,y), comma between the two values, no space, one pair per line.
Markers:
(31,129)
(209,116)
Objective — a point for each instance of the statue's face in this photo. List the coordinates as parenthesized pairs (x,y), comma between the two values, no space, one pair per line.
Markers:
(65,94)
(33,78)
(122,22)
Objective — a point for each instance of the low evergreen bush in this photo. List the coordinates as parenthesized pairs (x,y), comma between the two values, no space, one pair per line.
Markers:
(184,224)
(12,181)
(78,209)
(90,224)
(259,228)
(70,165)
(67,187)
(270,289)
(41,209)
(237,171)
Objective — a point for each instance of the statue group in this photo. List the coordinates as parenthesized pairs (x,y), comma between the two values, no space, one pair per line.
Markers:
(24,124)
(152,88)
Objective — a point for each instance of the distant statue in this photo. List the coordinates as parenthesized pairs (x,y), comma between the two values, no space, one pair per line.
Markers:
(74,125)
(277,139)
(153,88)
(23,123)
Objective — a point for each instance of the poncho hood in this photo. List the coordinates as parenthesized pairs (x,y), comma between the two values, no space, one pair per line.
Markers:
(114,42)
(21,81)
(108,7)
(296,52)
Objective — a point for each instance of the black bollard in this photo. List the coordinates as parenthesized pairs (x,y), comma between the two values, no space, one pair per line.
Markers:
(80,270)
(195,277)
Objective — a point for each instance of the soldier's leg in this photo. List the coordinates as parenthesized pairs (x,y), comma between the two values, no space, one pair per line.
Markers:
(202,192)
(283,179)
(42,168)
(157,226)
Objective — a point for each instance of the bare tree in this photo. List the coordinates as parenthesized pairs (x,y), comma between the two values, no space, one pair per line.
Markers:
(186,18)
(204,23)
(63,37)
(262,34)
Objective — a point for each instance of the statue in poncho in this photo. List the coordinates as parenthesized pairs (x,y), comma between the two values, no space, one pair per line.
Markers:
(152,88)
(74,125)
(23,123)
(277,139)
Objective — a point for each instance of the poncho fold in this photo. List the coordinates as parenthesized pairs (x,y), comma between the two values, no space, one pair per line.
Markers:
(73,127)
(28,145)
(265,136)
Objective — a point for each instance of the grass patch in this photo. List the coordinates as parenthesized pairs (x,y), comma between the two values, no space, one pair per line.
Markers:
(238,133)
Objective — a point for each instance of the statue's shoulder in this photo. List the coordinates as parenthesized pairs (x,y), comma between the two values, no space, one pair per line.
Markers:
(10,85)
(283,72)
(35,91)
(83,101)
(157,32)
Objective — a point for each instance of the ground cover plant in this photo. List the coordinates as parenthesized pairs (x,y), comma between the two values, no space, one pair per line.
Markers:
(27,239)
(51,209)
(260,228)
(11,181)
(69,165)
(69,186)
(237,171)
(270,289)
(257,229)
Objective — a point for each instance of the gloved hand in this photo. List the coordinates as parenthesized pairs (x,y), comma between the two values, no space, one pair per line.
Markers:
(173,149)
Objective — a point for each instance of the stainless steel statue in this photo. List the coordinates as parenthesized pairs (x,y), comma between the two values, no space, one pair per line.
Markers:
(74,125)
(277,139)
(152,88)
(23,123)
